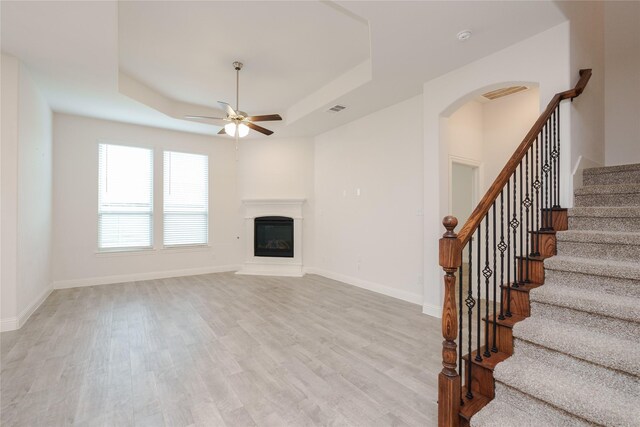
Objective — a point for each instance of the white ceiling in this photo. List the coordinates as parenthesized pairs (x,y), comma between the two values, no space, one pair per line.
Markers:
(150,62)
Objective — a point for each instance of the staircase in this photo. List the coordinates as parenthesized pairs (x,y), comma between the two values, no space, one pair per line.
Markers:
(576,359)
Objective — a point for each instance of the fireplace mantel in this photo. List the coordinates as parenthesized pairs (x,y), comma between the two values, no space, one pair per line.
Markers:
(286,207)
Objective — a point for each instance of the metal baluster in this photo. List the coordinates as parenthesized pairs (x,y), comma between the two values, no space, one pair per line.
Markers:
(494,348)
(460,276)
(486,272)
(514,225)
(537,206)
(470,302)
(479,294)
(545,184)
(508,284)
(521,268)
(527,203)
(556,166)
(502,247)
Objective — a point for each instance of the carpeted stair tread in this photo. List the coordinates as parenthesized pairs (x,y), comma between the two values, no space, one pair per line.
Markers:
(605,212)
(597,236)
(608,189)
(595,267)
(501,414)
(580,342)
(568,390)
(615,306)
(612,169)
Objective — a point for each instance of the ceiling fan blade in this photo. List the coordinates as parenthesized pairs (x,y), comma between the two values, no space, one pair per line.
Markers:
(222,132)
(227,108)
(204,117)
(265,118)
(258,128)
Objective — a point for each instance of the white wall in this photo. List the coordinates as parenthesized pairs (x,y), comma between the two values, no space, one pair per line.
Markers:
(9,180)
(587,111)
(26,195)
(622,82)
(75,183)
(506,122)
(372,240)
(280,168)
(543,60)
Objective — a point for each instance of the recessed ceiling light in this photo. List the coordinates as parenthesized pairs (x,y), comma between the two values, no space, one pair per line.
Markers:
(464,35)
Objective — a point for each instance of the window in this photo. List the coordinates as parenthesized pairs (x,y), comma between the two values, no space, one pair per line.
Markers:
(186,199)
(125,199)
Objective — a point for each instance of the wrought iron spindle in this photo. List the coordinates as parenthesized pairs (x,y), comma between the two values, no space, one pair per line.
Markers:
(470,303)
(514,226)
(486,272)
(554,156)
(521,267)
(478,295)
(545,169)
(502,247)
(527,203)
(508,284)
(494,348)
(460,276)
(537,206)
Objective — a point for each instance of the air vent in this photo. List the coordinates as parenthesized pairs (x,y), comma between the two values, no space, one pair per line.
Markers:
(499,93)
(336,109)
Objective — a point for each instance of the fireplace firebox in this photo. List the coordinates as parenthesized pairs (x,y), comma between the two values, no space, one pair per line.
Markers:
(273,236)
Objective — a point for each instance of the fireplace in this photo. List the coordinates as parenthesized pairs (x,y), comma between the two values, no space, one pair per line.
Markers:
(273,237)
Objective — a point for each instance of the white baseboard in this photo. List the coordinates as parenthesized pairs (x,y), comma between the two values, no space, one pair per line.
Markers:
(432,310)
(9,324)
(365,284)
(122,278)
(13,323)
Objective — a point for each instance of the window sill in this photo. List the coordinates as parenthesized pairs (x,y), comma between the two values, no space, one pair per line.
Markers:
(124,252)
(187,248)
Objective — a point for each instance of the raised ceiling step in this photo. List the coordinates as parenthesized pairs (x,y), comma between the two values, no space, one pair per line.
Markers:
(616,246)
(626,219)
(579,342)
(565,384)
(514,408)
(602,275)
(624,174)
(608,195)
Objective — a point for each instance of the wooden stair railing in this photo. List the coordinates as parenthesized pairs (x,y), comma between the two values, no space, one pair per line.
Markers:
(518,217)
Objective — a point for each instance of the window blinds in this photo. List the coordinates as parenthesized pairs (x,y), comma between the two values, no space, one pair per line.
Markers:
(186,199)
(125,197)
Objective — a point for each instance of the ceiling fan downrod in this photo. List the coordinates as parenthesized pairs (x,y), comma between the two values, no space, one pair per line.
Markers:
(238,66)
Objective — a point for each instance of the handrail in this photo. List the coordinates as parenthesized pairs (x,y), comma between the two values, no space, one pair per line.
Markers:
(494,191)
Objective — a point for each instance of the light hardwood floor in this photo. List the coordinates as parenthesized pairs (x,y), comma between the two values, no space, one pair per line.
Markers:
(222,349)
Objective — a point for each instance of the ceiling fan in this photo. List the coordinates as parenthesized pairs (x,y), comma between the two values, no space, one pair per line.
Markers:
(239,122)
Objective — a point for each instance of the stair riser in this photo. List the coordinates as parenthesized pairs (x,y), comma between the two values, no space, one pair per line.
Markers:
(626,199)
(626,177)
(533,273)
(629,224)
(545,243)
(481,379)
(600,251)
(612,285)
(559,221)
(519,302)
(504,338)
(622,329)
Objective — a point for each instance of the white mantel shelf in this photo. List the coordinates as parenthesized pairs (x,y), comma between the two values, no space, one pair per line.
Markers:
(287,207)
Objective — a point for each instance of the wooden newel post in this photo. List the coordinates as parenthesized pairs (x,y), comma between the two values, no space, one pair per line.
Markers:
(449,380)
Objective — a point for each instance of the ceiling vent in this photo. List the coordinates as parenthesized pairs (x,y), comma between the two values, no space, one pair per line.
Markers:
(336,109)
(499,93)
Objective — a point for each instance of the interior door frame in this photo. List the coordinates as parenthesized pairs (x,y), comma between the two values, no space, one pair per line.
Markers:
(478,177)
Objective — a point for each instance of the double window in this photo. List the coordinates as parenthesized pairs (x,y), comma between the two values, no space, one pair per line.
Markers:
(125,198)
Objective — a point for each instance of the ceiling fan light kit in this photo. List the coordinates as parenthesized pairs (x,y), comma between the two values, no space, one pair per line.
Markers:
(239,122)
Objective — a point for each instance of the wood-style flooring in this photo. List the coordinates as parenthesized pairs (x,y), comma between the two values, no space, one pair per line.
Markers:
(222,350)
